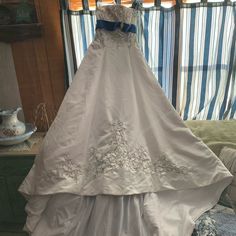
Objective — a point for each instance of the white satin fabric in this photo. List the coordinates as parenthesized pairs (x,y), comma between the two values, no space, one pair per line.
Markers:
(167,213)
(117,134)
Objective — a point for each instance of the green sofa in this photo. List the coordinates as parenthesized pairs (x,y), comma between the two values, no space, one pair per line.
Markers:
(215,134)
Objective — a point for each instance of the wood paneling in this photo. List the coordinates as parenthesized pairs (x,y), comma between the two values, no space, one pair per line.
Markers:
(39,63)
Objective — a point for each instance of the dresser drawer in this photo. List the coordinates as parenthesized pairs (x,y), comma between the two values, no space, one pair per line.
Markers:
(13,170)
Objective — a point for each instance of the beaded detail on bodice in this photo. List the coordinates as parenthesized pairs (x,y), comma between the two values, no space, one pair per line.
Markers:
(115,14)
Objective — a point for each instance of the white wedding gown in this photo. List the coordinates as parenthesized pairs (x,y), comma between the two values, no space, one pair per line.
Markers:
(118,160)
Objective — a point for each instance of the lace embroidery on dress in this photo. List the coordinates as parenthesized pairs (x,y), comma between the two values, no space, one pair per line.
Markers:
(66,168)
(133,158)
(113,39)
(116,155)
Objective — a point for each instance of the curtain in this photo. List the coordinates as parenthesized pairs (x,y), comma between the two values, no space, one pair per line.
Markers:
(189,47)
(82,25)
(69,51)
(206,48)
(156,38)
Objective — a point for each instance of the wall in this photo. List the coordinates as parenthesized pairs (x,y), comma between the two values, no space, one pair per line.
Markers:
(9,91)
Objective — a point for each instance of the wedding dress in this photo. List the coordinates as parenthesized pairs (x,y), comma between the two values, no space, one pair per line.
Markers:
(118,160)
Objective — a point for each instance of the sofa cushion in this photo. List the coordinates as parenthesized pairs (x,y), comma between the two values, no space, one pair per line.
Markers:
(228,157)
(215,134)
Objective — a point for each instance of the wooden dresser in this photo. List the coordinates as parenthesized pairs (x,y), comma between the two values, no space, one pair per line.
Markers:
(15,163)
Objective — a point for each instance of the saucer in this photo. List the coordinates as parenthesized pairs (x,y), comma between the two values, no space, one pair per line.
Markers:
(11,140)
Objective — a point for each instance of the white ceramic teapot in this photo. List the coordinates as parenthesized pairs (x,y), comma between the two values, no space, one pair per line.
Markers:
(10,125)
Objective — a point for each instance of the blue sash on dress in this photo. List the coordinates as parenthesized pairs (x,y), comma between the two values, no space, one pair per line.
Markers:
(112,26)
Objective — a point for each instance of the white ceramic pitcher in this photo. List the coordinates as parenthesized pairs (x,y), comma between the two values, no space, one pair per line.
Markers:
(10,125)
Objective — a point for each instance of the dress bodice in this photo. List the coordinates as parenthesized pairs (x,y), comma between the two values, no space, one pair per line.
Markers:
(116,13)
(115,26)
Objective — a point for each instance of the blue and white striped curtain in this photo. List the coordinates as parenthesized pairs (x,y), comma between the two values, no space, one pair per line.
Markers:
(156,37)
(207,54)
(82,25)
(190,49)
